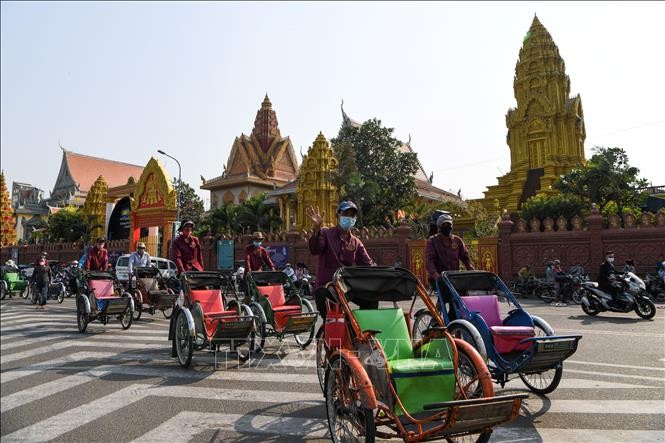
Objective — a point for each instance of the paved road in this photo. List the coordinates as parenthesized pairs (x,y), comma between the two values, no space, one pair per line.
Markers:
(115,385)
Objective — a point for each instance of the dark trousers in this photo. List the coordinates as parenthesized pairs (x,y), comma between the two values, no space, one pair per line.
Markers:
(42,290)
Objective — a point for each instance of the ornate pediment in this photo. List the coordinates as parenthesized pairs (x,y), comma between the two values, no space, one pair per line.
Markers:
(154,189)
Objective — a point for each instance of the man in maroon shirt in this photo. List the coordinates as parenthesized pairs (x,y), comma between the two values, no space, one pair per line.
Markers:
(98,257)
(445,250)
(335,247)
(186,249)
(256,256)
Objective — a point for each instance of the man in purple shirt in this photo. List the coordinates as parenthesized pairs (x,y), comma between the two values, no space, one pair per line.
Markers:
(445,250)
(336,247)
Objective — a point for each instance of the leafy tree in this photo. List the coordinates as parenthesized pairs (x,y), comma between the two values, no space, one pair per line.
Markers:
(607,177)
(69,224)
(485,224)
(373,172)
(191,205)
(255,215)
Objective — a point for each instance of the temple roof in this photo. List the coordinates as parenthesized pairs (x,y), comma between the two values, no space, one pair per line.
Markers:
(266,127)
(85,169)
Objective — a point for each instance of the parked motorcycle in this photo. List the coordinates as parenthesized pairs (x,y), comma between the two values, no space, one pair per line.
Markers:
(633,297)
(655,287)
(571,287)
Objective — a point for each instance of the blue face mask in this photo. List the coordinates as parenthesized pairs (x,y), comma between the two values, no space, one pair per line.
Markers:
(257,243)
(347,223)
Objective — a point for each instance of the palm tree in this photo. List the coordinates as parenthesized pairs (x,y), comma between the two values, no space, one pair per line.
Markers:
(255,215)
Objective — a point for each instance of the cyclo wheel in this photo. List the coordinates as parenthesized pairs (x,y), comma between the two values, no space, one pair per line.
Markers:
(321,357)
(259,329)
(472,379)
(348,421)
(421,321)
(126,317)
(168,311)
(138,306)
(81,317)
(305,338)
(543,382)
(184,342)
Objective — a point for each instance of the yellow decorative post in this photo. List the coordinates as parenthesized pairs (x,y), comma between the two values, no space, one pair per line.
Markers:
(315,185)
(7,231)
(95,207)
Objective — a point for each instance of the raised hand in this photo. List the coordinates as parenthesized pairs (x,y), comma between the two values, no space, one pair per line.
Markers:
(315,215)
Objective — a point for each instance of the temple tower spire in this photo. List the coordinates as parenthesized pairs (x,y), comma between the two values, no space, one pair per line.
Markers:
(546,129)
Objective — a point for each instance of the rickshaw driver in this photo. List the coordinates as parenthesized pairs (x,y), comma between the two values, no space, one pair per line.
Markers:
(336,247)
(444,252)
(138,258)
(186,249)
(98,257)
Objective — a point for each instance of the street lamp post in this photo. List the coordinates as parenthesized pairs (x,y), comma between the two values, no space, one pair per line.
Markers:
(179,182)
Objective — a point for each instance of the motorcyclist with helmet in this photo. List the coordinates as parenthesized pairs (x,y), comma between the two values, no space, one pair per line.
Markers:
(607,277)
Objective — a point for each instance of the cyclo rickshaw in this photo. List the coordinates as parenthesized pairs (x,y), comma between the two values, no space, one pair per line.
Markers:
(517,344)
(279,309)
(101,298)
(378,382)
(12,281)
(151,292)
(202,318)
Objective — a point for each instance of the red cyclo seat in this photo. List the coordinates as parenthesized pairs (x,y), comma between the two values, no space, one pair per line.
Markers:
(506,338)
(102,289)
(211,304)
(275,295)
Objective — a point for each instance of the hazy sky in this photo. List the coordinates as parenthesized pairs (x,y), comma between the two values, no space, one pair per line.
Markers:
(121,80)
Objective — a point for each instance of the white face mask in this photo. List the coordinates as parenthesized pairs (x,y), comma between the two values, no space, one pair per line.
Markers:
(610,259)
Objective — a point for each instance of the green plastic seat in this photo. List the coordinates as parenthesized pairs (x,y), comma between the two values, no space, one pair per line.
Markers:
(421,378)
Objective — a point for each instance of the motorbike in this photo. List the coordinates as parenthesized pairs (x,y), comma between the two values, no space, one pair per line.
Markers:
(633,297)
(655,287)
(571,287)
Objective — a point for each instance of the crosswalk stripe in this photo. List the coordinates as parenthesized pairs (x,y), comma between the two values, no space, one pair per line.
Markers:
(612,365)
(65,345)
(156,337)
(598,332)
(613,374)
(509,434)
(185,425)
(15,374)
(59,424)
(535,404)
(71,324)
(34,393)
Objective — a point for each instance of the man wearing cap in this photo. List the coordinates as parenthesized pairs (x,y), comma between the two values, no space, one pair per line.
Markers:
(98,257)
(445,250)
(186,249)
(256,256)
(335,247)
(138,258)
(42,256)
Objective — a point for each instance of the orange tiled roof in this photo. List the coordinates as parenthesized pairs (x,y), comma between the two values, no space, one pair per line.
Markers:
(85,169)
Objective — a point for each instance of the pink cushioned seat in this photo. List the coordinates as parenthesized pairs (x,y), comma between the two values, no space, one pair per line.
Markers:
(505,338)
(102,289)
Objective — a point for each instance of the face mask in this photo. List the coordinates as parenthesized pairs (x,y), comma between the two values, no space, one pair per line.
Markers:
(347,223)
(610,259)
(446,230)
(257,243)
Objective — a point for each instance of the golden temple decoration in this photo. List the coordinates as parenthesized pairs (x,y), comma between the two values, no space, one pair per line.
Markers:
(546,130)
(154,188)
(315,184)
(95,207)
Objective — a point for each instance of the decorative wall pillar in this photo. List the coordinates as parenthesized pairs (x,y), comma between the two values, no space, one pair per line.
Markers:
(505,259)
(595,223)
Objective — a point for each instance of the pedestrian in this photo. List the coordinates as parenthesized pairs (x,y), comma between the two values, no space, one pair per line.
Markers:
(256,256)
(138,258)
(336,247)
(41,278)
(42,256)
(557,275)
(629,266)
(186,249)
(98,257)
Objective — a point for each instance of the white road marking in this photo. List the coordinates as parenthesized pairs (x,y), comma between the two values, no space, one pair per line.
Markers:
(646,368)
(613,333)
(185,425)
(613,374)
(535,404)
(67,421)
